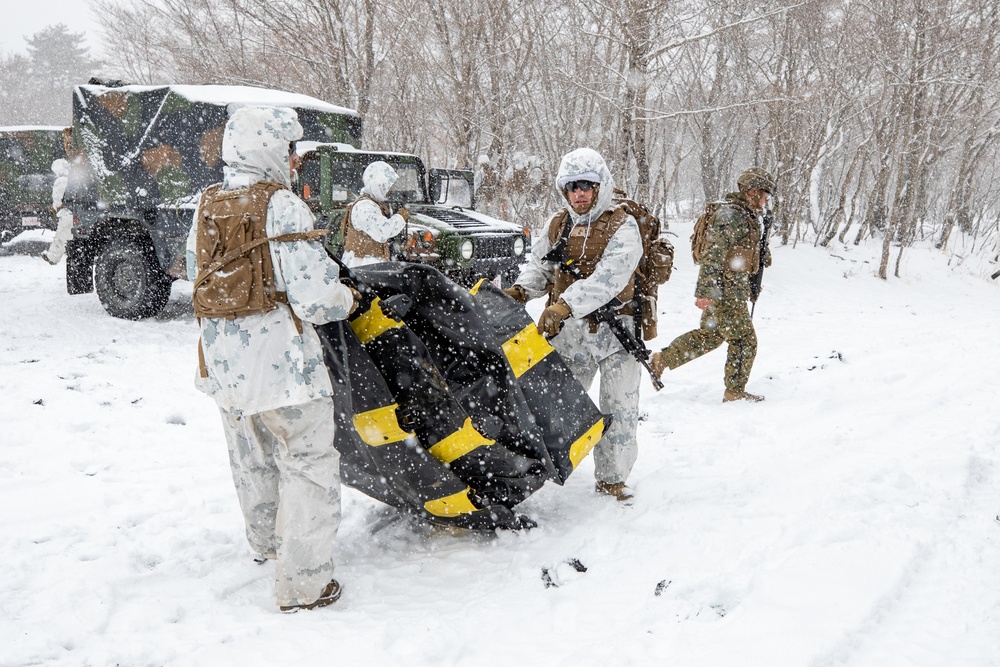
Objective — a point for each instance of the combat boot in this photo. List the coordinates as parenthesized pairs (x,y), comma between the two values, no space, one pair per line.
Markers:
(618,490)
(741,396)
(329,595)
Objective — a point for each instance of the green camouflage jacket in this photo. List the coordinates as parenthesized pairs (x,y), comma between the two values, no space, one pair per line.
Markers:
(733,252)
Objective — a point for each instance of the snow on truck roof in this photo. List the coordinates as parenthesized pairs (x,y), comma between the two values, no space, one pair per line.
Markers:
(232,95)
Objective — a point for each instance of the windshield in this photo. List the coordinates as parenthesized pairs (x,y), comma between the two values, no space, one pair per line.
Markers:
(347,181)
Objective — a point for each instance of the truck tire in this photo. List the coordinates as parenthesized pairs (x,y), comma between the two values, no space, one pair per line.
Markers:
(129,281)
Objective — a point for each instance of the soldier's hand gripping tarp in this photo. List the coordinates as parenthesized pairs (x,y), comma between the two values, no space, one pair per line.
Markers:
(458,411)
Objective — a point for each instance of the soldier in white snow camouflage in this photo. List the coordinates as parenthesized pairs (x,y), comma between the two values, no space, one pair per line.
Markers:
(64,228)
(266,371)
(368,227)
(607,254)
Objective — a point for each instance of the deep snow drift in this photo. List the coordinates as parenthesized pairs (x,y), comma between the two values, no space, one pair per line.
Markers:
(849,519)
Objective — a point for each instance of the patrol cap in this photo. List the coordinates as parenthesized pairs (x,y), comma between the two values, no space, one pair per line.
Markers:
(756,178)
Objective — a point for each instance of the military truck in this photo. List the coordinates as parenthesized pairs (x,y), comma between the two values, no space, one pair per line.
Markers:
(443,230)
(142,154)
(26,155)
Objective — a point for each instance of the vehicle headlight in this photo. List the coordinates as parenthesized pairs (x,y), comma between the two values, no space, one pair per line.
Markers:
(518,245)
(466,249)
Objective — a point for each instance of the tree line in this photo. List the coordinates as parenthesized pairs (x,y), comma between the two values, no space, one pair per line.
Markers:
(879,119)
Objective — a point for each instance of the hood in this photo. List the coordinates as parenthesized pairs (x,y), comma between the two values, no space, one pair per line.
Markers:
(378,178)
(586,164)
(255,144)
(60,167)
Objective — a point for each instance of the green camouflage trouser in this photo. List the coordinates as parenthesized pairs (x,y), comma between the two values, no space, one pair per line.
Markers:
(724,321)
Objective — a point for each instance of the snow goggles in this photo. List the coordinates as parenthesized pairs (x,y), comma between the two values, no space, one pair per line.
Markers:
(586,186)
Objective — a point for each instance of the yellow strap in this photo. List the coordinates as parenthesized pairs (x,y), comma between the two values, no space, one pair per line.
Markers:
(459,443)
(475,288)
(525,349)
(373,323)
(379,426)
(579,450)
(453,505)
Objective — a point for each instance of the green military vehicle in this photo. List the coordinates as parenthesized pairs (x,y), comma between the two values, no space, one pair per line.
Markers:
(147,152)
(26,156)
(443,230)
(143,154)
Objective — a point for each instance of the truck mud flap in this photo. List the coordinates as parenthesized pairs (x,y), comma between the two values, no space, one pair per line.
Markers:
(79,267)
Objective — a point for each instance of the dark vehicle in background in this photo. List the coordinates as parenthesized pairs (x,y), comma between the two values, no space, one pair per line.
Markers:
(26,156)
(444,229)
(142,155)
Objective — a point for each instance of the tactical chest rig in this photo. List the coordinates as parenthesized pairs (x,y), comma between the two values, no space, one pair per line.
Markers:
(584,246)
(358,242)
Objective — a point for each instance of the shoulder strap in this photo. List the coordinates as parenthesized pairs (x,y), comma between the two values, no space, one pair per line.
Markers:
(311,235)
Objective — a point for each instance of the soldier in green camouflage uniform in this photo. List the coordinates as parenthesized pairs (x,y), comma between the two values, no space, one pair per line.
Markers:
(731,257)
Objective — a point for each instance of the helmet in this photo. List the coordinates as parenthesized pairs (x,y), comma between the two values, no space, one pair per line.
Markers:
(756,178)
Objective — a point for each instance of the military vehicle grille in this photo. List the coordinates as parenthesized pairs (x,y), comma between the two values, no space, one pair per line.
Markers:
(494,246)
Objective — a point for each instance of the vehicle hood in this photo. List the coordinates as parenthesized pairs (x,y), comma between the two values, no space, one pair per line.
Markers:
(460,220)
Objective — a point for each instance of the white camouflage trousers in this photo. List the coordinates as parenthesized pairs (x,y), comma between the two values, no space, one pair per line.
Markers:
(64,232)
(617,450)
(287,477)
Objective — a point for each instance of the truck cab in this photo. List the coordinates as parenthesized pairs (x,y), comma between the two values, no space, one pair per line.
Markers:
(26,156)
(444,229)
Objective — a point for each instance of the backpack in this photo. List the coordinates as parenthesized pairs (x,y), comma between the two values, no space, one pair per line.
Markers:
(235,274)
(699,237)
(657,261)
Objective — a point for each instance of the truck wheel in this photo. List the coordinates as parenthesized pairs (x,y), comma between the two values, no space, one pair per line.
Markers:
(129,282)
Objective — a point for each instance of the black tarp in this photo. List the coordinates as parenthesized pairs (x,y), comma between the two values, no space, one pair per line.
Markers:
(459,412)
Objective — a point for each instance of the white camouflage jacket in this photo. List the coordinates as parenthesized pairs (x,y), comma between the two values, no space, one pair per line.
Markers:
(613,271)
(260,362)
(367,217)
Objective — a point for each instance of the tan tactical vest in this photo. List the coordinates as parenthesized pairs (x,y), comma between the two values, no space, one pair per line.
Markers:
(358,242)
(585,246)
(235,274)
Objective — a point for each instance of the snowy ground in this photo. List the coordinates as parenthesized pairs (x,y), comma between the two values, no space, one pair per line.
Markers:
(849,520)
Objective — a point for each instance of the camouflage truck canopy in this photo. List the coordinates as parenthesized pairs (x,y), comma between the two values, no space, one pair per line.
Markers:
(146,146)
(26,156)
(141,155)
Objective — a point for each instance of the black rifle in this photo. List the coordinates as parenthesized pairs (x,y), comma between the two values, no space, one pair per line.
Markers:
(629,340)
(632,344)
(755,279)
